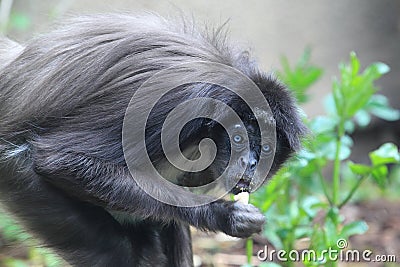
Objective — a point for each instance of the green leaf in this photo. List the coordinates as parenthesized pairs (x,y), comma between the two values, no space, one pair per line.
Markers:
(362,118)
(300,77)
(379,106)
(382,68)
(345,151)
(331,233)
(360,169)
(380,175)
(355,63)
(349,126)
(338,98)
(321,124)
(386,154)
(386,113)
(354,90)
(328,149)
(376,70)
(354,228)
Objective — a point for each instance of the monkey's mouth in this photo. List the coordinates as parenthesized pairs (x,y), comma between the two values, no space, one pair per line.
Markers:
(242,186)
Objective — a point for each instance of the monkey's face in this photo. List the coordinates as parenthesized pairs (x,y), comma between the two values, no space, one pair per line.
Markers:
(245,148)
(245,155)
(239,150)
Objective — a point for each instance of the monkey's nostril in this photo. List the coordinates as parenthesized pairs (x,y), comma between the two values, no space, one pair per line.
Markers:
(252,164)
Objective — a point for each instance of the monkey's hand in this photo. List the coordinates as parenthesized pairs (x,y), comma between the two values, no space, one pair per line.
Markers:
(238,219)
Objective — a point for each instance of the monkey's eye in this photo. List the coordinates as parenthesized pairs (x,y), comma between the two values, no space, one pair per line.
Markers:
(266,148)
(237,138)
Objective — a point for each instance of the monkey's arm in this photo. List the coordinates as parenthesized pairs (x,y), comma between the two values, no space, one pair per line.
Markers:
(112,187)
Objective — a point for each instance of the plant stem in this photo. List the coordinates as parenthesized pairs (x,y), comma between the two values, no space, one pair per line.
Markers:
(289,246)
(324,186)
(249,250)
(336,166)
(336,176)
(353,190)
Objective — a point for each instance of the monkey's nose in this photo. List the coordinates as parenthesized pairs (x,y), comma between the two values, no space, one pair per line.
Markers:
(250,164)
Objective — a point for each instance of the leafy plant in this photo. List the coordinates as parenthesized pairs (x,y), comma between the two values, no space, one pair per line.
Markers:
(304,199)
(301,77)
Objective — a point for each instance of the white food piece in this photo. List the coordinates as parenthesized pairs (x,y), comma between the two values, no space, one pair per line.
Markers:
(242,197)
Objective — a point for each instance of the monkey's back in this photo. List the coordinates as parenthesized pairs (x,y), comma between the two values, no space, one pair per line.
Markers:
(93,62)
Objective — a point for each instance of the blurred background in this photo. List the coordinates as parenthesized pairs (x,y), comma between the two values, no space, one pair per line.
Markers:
(271,29)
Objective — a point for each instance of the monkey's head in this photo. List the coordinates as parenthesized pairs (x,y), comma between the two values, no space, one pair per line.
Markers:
(247,151)
(265,140)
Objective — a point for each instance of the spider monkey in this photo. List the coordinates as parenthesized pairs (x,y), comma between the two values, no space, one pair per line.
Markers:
(63,174)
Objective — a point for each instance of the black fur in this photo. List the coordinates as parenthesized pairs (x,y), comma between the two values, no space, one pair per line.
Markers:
(62,171)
